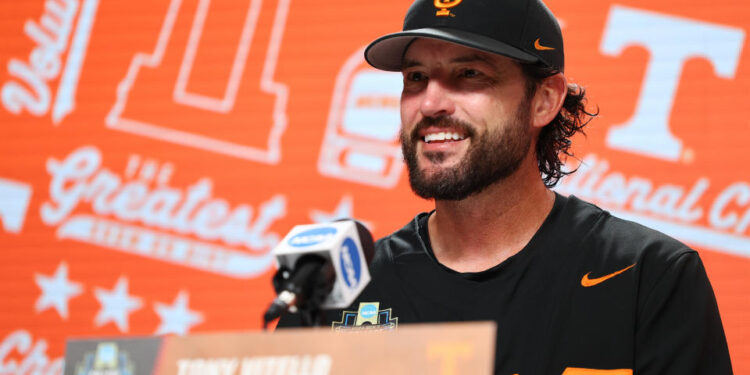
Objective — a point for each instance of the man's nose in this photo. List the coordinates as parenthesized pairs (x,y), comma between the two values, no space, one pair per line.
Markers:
(436,100)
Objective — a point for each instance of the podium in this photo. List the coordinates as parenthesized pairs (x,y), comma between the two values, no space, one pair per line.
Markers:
(446,348)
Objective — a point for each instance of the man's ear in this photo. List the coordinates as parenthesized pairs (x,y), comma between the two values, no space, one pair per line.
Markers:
(548,100)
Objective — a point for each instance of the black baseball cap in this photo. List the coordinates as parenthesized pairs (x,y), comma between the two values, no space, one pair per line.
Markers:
(524,30)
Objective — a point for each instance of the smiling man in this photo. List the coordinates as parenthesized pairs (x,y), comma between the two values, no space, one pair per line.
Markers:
(487,114)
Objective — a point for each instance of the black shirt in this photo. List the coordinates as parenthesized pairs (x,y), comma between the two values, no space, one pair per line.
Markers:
(589,290)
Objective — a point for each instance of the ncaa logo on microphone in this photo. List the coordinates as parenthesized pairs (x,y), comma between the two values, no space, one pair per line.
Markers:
(312,237)
(350,263)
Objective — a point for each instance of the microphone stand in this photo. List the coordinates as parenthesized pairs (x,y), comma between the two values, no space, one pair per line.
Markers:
(312,317)
(302,291)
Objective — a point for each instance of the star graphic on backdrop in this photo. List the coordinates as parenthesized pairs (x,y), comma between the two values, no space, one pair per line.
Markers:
(177,318)
(57,290)
(116,304)
(344,210)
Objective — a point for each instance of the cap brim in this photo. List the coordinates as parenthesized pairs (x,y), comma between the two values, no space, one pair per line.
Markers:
(387,52)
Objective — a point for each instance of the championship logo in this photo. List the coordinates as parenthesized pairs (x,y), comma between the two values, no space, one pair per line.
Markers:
(444,5)
(367,317)
(107,359)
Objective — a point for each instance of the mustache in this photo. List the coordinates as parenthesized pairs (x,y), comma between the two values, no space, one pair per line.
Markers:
(442,122)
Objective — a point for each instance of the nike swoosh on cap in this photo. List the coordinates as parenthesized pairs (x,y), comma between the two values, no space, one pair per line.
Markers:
(540,47)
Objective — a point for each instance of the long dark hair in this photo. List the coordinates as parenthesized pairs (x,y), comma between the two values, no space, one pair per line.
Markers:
(553,145)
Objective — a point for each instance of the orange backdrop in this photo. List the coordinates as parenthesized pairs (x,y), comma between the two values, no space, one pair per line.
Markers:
(153,152)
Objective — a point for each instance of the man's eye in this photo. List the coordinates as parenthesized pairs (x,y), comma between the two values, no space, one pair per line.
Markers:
(470,73)
(415,76)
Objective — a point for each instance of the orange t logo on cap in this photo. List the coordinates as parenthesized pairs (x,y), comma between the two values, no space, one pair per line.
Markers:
(443,6)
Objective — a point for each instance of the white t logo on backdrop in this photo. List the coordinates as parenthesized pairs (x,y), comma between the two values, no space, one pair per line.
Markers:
(671,41)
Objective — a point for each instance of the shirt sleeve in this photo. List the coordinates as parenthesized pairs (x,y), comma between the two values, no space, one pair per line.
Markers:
(679,329)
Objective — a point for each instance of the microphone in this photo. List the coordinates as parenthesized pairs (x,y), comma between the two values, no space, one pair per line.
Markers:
(320,266)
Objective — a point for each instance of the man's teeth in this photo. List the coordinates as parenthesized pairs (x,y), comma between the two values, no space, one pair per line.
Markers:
(443,136)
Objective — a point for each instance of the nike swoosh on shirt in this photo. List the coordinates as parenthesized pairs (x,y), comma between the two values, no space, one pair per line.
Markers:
(586,282)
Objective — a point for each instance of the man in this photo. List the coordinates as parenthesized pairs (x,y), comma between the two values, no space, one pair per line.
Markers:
(486,113)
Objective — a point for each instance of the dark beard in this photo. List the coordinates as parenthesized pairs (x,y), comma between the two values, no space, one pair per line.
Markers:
(490,158)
